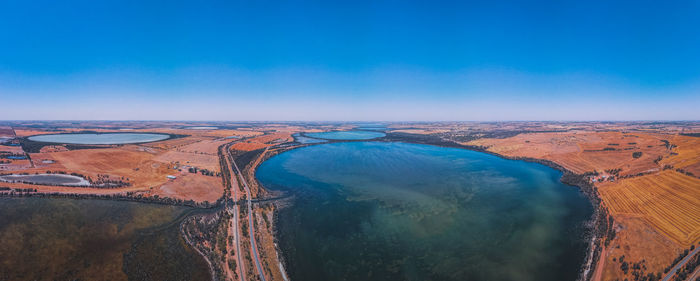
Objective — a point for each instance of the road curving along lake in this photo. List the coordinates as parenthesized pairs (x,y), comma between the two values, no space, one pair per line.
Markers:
(100,138)
(398,211)
(346,135)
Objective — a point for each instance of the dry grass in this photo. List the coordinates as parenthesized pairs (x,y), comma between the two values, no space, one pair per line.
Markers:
(669,201)
(584,151)
(419,131)
(636,239)
(266,242)
(262,141)
(138,166)
(205,146)
(688,154)
(191,186)
(202,161)
(173,143)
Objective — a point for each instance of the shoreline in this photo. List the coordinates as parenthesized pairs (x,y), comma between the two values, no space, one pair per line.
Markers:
(594,224)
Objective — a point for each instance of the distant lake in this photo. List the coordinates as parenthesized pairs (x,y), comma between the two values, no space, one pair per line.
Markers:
(371,127)
(304,140)
(52,179)
(397,211)
(66,239)
(346,135)
(100,138)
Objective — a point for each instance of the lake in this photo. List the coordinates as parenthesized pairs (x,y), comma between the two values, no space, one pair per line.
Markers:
(304,140)
(346,135)
(100,138)
(397,211)
(371,127)
(51,179)
(66,239)
(16,157)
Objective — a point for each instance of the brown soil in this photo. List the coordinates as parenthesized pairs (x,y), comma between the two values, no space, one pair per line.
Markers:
(585,151)
(188,186)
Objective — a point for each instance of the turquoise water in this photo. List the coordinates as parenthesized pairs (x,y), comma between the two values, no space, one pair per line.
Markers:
(397,211)
(346,135)
(304,140)
(103,138)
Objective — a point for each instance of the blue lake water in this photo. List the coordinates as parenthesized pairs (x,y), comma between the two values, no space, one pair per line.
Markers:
(101,138)
(371,128)
(346,135)
(397,211)
(52,179)
(13,157)
(302,139)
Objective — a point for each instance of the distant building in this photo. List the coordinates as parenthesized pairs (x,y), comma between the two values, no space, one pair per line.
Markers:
(172,177)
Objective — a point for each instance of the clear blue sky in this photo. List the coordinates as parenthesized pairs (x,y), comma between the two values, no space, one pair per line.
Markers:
(359,60)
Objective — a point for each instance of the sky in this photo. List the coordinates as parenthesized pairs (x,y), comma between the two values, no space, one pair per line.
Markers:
(350,61)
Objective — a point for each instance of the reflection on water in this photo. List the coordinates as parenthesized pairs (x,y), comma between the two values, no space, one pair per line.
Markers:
(394,211)
(64,239)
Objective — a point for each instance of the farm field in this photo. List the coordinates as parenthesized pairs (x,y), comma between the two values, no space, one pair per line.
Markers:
(670,201)
(646,177)
(686,154)
(585,151)
(163,169)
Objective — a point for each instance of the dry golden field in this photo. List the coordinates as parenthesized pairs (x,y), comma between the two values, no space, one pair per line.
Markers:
(146,166)
(637,240)
(585,151)
(188,186)
(670,201)
(262,141)
(686,154)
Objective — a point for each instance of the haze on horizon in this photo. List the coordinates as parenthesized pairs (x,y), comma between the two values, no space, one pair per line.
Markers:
(362,60)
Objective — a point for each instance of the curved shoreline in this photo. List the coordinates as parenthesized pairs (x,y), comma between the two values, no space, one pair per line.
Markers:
(568,177)
(33,146)
(587,268)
